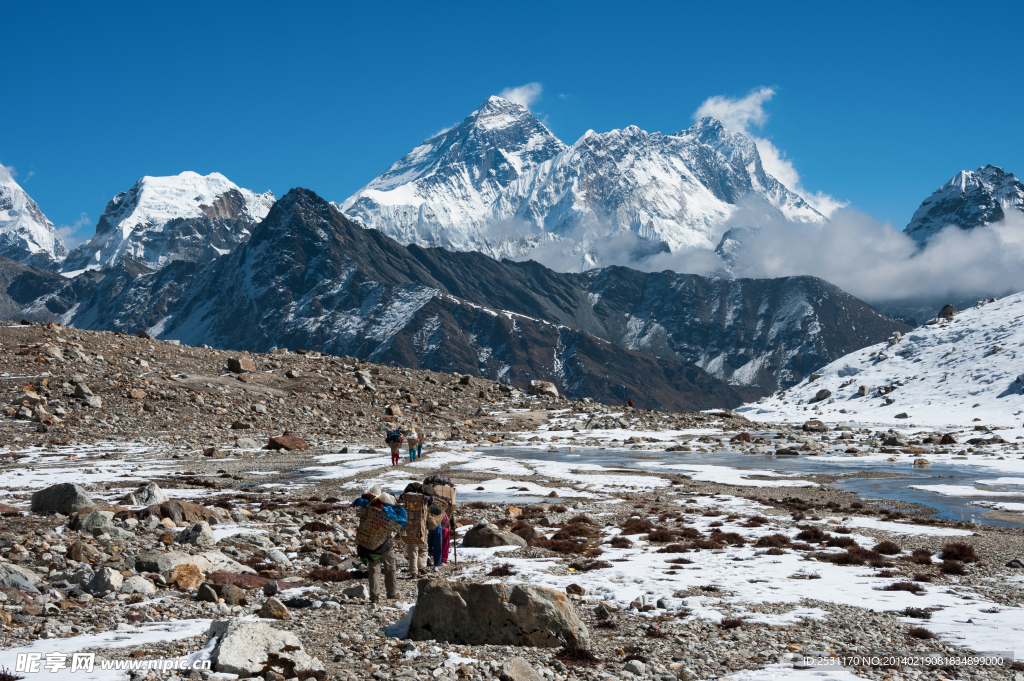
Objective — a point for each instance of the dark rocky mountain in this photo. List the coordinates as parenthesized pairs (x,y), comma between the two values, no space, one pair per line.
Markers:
(972,198)
(310,278)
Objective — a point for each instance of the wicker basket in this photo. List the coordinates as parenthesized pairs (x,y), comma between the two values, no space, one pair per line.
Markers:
(375,528)
(415,531)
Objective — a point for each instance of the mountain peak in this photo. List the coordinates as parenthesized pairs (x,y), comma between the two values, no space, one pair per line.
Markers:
(970,199)
(26,235)
(164,218)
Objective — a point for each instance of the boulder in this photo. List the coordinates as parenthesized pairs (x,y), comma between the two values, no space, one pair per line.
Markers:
(518,669)
(575,590)
(105,580)
(274,609)
(65,497)
(206,594)
(138,585)
(895,439)
(255,649)
(250,581)
(83,552)
(357,591)
(247,443)
(822,394)
(393,410)
(495,614)
(197,534)
(182,512)
(543,388)
(213,453)
(16,577)
(948,439)
(864,390)
(635,667)
(488,536)
(92,522)
(948,312)
(150,494)
(287,442)
(231,594)
(240,365)
(815,426)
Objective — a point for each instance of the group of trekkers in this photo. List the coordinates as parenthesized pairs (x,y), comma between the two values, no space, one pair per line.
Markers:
(396,438)
(423,516)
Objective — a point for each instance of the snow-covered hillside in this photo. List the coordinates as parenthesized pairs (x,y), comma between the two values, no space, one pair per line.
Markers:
(973,198)
(500,183)
(26,235)
(180,217)
(948,373)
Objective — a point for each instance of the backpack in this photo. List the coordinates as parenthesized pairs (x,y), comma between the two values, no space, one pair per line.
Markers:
(395,437)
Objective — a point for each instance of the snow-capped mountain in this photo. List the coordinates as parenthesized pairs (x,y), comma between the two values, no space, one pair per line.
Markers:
(500,182)
(180,217)
(26,235)
(973,198)
(950,372)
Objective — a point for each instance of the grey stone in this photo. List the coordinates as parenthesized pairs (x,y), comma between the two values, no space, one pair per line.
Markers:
(895,439)
(278,556)
(254,649)
(15,577)
(150,494)
(104,580)
(518,669)
(97,520)
(138,585)
(635,667)
(488,536)
(65,497)
(197,534)
(247,443)
(495,614)
(544,388)
(82,391)
(95,402)
(357,591)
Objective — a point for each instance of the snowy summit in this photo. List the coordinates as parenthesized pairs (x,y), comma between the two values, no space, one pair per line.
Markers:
(501,183)
(973,198)
(180,217)
(26,235)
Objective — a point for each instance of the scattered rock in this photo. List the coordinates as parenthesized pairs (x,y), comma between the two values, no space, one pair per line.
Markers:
(197,534)
(543,388)
(253,648)
(357,591)
(185,576)
(575,590)
(105,580)
(487,536)
(288,442)
(246,443)
(815,426)
(239,365)
(137,584)
(518,669)
(275,610)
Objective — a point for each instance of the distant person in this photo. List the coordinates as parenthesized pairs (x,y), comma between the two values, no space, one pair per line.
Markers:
(394,441)
(380,518)
(629,402)
(415,445)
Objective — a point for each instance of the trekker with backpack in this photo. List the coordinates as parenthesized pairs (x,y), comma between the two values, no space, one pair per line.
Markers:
(394,441)
(415,445)
(380,518)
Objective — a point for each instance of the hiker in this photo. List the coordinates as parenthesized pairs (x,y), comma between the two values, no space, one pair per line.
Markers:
(379,519)
(394,441)
(629,402)
(415,445)
(437,529)
(415,532)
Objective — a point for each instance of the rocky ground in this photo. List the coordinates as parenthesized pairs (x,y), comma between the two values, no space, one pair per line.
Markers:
(218,527)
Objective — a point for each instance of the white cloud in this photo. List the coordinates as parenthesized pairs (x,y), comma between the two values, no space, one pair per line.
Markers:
(744,114)
(6,173)
(76,233)
(524,94)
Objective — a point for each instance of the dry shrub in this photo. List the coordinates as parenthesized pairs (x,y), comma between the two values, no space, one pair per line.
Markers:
(673,548)
(580,519)
(917,613)
(577,656)
(679,561)
(660,534)
(477,505)
(316,526)
(772,540)
(620,542)
(7,675)
(524,530)
(953,567)
(841,530)
(841,542)
(327,508)
(689,533)
(706,544)
(732,622)
(812,533)
(922,577)
(326,574)
(881,563)
(576,530)
(710,588)
(590,565)
(775,551)
(655,633)
(920,632)
(607,624)
(921,557)
(904,586)
(959,551)
(636,526)
(558,509)
(560,545)
(729,538)
(503,570)
(888,548)
(856,504)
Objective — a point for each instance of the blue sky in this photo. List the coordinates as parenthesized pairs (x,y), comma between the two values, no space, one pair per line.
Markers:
(876,104)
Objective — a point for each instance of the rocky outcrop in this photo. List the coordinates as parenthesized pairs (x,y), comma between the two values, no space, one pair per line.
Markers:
(255,649)
(65,497)
(495,614)
(486,535)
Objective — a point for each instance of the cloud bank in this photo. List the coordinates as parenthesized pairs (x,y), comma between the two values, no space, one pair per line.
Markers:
(75,234)
(524,94)
(745,114)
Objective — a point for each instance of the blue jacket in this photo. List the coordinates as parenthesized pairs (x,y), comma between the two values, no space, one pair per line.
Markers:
(395,513)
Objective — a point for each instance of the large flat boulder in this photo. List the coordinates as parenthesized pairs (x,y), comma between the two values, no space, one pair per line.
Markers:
(182,512)
(495,614)
(65,497)
(210,561)
(254,649)
(485,536)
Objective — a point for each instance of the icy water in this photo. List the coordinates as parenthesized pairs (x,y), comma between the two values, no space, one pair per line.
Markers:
(954,507)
